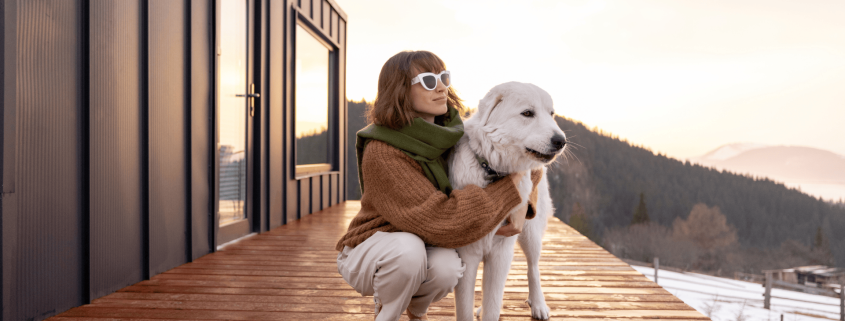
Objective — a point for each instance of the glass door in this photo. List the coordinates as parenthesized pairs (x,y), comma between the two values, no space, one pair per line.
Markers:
(235,109)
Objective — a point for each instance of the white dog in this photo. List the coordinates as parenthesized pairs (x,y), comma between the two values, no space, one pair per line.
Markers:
(513,130)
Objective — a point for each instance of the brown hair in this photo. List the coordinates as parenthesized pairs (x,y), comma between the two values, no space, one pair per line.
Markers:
(393,107)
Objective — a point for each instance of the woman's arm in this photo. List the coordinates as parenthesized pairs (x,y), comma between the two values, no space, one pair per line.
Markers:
(398,190)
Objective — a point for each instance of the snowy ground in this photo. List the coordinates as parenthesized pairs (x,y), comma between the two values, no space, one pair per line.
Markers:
(728,299)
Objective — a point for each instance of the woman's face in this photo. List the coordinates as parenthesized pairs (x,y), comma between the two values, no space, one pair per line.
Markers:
(429,103)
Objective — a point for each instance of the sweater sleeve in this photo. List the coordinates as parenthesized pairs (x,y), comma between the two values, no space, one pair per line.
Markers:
(399,191)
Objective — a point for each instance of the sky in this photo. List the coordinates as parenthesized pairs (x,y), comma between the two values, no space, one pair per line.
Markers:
(679,77)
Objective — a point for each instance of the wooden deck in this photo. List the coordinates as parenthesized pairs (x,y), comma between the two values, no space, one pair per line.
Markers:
(289,273)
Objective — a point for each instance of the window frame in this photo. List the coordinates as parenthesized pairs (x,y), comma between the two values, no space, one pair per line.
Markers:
(306,170)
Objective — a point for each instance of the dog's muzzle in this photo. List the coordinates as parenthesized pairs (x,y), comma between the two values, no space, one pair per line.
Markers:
(557,143)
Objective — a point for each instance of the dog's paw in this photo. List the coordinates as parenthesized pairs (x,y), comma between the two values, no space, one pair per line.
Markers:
(539,311)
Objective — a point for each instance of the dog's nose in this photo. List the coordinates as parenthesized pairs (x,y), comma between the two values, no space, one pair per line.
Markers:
(558,141)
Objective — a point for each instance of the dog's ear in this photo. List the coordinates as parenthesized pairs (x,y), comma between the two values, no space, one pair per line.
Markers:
(488,103)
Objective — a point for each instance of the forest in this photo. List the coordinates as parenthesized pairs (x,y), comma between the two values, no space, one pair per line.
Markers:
(618,193)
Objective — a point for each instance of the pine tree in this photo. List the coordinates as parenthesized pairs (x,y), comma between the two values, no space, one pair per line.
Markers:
(819,242)
(821,248)
(641,214)
(580,222)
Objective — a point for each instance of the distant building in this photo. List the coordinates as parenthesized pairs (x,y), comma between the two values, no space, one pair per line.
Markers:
(817,275)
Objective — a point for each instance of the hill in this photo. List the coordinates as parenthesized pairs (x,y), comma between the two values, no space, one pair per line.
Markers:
(606,175)
(817,172)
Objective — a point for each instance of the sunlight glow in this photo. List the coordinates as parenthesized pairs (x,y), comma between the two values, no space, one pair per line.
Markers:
(681,77)
(312,84)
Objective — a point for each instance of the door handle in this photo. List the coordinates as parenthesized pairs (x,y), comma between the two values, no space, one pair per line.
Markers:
(252,94)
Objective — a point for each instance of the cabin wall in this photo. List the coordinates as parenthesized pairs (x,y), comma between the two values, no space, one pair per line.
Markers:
(107,156)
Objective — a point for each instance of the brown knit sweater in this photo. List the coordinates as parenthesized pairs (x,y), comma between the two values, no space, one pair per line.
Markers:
(399,197)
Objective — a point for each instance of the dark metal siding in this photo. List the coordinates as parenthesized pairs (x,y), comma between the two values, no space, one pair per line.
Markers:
(116,240)
(168,103)
(262,223)
(8,28)
(108,141)
(313,193)
(46,268)
(202,102)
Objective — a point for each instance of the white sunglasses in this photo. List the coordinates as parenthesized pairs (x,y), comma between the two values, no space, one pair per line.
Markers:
(429,79)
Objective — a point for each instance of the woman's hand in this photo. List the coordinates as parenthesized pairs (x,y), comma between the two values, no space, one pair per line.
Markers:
(515,222)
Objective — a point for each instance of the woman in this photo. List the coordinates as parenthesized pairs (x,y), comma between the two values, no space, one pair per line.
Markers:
(400,246)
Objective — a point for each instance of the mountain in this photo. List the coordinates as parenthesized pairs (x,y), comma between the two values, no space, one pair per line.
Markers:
(727,151)
(815,171)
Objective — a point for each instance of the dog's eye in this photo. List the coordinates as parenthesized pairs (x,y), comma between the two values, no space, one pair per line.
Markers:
(528,113)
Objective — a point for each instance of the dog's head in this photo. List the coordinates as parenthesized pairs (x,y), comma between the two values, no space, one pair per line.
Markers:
(517,119)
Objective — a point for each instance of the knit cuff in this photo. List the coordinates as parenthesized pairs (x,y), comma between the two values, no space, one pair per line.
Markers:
(505,191)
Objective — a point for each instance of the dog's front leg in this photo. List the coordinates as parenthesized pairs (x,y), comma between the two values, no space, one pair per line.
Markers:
(531,242)
(465,290)
(497,264)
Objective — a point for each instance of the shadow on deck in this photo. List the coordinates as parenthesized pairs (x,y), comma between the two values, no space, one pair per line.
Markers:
(290,273)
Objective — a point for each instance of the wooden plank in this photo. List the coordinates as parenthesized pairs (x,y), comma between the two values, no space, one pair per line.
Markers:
(341,299)
(291,273)
(343,304)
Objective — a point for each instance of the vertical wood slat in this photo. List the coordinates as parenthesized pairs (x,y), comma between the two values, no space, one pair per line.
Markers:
(326,14)
(168,103)
(304,197)
(316,190)
(333,28)
(317,12)
(325,195)
(292,212)
(116,217)
(305,6)
(335,190)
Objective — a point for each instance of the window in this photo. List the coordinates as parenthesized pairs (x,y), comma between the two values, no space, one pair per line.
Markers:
(312,103)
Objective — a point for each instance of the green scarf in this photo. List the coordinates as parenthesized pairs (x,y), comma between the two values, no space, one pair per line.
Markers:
(425,142)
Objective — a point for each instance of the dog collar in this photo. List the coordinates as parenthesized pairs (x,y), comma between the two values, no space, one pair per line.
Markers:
(491,174)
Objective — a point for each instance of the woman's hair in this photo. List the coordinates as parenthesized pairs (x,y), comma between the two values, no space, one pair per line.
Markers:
(393,107)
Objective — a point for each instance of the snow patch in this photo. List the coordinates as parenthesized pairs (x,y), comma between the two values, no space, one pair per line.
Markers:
(728,299)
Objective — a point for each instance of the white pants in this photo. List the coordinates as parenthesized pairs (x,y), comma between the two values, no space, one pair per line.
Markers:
(400,272)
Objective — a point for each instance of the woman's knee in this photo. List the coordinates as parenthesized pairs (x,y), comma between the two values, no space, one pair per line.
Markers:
(444,267)
(408,251)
